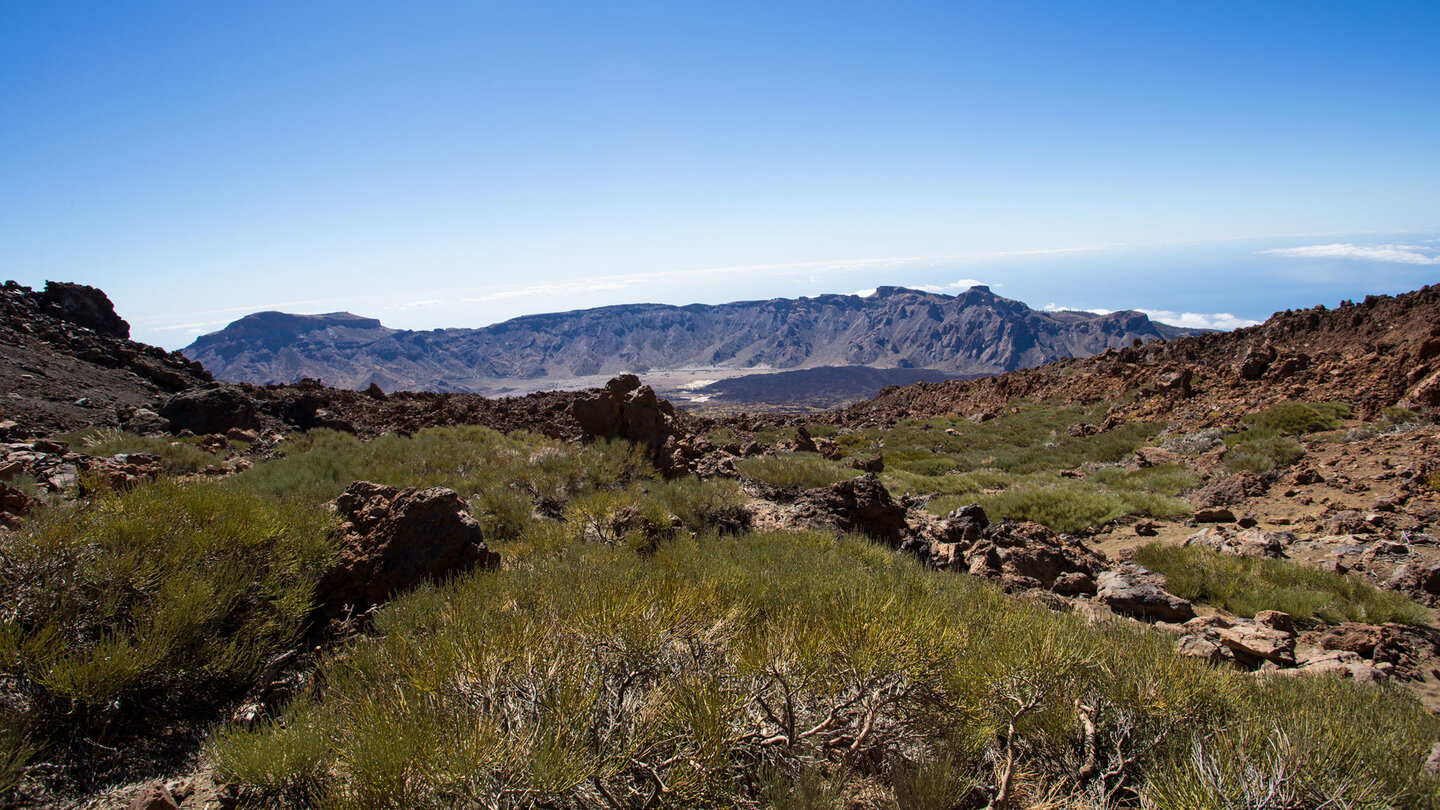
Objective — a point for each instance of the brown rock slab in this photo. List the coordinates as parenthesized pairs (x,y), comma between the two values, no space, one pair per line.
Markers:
(1260,641)
(1133,596)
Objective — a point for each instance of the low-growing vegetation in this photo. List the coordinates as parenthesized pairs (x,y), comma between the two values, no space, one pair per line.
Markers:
(1291,419)
(795,470)
(150,601)
(1248,585)
(1010,466)
(176,455)
(1260,456)
(1074,505)
(641,646)
(602,678)
(1033,439)
(1267,441)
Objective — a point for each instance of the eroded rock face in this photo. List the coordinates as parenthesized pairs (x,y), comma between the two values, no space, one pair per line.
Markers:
(394,539)
(210,408)
(625,409)
(859,504)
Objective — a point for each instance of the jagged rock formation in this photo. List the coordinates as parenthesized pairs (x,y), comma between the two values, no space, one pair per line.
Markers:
(1383,351)
(976,332)
(394,539)
(66,363)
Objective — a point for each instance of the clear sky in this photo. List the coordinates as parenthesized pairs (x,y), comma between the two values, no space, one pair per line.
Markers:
(457,163)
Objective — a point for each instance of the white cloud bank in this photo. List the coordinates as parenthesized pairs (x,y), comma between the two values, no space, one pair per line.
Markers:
(1399,254)
(1199,320)
(1223,321)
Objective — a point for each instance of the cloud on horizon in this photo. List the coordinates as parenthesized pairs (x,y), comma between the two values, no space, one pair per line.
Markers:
(1222,321)
(1399,254)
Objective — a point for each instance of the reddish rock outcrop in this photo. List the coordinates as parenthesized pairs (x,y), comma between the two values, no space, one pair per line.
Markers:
(394,539)
(625,409)
(859,504)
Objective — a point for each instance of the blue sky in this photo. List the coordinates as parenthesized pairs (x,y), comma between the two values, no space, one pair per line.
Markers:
(453,164)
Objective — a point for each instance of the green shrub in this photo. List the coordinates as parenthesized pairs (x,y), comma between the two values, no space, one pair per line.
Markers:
(714,504)
(1290,755)
(165,596)
(936,784)
(503,512)
(1393,417)
(16,748)
(1248,585)
(469,459)
(1076,505)
(970,483)
(1260,456)
(1069,506)
(808,791)
(1291,419)
(177,455)
(799,470)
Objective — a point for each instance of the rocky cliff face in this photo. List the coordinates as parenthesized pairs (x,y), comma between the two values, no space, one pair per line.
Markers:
(65,363)
(976,332)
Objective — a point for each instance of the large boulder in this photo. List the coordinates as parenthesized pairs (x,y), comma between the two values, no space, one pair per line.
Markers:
(1271,637)
(1132,595)
(1028,555)
(394,539)
(83,306)
(1361,639)
(859,504)
(1229,491)
(210,408)
(625,409)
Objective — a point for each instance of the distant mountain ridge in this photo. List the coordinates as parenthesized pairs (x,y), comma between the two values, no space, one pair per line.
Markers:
(975,332)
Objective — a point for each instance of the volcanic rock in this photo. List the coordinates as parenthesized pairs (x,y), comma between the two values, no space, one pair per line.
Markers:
(1339,662)
(1026,555)
(211,408)
(1229,491)
(1129,594)
(84,306)
(65,363)
(859,504)
(1271,636)
(394,539)
(1249,543)
(1361,639)
(625,409)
